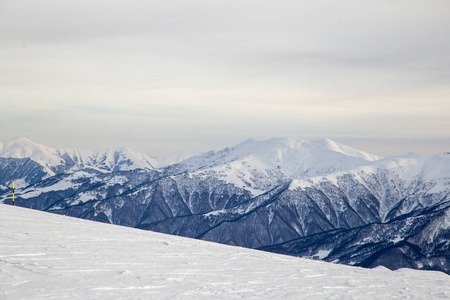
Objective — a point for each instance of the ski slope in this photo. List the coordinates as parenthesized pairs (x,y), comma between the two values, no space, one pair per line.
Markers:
(47,256)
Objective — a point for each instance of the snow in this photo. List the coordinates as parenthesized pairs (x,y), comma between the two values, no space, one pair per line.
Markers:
(84,197)
(302,184)
(107,159)
(216,212)
(46,256)
(407,170)
(291,155)
(348,151)
(322,254)
(260,165)
(397,239)
(21,147)
(64,184)
(19,183)
(117,180)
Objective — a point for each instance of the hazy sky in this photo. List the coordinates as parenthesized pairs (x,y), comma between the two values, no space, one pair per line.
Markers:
(165,77)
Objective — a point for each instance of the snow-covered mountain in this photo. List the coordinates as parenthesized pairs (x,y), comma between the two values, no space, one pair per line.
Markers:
(61,160)
(317,199)
(46,256)
(260,165)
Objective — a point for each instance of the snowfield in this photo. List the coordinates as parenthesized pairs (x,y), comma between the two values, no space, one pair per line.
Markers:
(46,256)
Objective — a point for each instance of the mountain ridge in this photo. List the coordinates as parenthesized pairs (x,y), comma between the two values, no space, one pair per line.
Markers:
(57,160)
(267,194)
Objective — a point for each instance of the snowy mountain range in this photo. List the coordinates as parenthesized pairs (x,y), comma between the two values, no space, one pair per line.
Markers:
(61,160)
(46,256)
(317,199)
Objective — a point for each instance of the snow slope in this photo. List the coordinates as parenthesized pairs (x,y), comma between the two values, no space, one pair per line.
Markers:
(59,160)
(46,256)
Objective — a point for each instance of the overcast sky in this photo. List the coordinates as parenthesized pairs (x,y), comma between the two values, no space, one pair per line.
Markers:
(165,77)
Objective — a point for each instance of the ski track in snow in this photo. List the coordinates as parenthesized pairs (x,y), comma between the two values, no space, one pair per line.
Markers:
(46,256)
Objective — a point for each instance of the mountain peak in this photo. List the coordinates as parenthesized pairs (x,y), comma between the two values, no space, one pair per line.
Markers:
(258,165)
(21,147)
(19,141)
(301,146)
(107,160)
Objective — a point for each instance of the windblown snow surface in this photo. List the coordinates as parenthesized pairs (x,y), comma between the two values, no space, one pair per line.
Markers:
(46,256)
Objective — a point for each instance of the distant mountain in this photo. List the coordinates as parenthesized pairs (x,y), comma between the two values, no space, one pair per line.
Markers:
(56,161)
(261,165)
(319,199)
